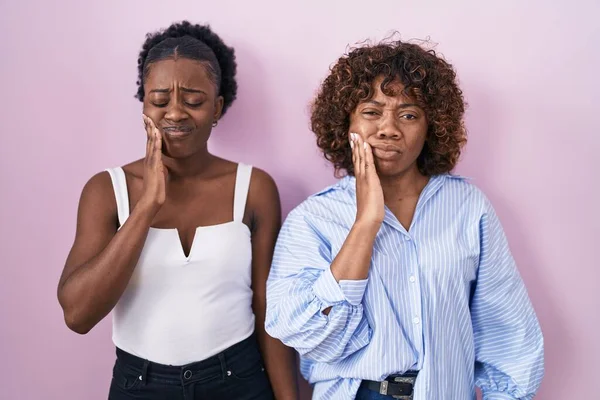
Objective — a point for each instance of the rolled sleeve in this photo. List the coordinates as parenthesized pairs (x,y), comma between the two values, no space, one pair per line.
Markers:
(330,292)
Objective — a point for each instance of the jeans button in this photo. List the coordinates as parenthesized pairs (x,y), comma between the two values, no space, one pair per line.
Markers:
(187,374)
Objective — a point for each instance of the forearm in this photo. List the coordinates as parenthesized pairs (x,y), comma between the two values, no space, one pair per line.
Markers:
(280,363)
(354,258)
(91,291)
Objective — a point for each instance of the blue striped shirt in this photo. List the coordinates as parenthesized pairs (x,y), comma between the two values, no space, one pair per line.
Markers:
(444,298)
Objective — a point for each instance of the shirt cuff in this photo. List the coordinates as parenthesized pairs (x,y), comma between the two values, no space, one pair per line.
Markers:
(497,396)
(330,292)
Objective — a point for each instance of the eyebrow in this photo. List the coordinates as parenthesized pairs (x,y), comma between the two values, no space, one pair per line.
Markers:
(379,104)
(187,90)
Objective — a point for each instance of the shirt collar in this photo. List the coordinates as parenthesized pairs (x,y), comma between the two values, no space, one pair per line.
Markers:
(435,183)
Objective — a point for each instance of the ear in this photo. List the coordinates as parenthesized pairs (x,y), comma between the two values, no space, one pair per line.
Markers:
(218,108)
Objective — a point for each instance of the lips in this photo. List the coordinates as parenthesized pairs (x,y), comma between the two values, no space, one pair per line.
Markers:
(177,131)
(386,151)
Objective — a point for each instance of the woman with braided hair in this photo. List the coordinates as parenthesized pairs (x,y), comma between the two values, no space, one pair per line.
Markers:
(179,244)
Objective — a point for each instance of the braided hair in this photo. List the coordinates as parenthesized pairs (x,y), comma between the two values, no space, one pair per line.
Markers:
(194,42)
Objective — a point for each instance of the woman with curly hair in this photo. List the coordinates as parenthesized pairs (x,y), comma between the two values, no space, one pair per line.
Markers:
(179,244)
(398,282)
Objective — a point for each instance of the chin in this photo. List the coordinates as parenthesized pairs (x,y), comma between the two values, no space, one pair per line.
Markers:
(388,169)
(179,153)
(395,168)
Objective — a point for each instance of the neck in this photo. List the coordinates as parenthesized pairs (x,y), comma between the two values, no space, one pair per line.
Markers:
(409,183)
(194,165)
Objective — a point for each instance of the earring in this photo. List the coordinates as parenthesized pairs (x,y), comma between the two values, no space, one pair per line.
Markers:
(215,123)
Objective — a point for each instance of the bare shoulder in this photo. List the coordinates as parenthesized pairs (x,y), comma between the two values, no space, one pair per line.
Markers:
(98,192)
(96,221)
(263,188)
(263,201)
(100,189)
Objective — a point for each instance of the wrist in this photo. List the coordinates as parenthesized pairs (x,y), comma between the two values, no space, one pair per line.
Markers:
(146,208)
(366,228)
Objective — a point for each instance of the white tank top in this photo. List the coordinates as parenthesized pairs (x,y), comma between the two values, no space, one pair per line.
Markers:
(177,309)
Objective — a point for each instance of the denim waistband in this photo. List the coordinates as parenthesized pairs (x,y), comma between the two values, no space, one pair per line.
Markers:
(197,371)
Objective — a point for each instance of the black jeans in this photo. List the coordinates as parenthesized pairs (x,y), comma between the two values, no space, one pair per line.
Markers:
(235,374)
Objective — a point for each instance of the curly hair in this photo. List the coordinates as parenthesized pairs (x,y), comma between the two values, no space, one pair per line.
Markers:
(195,42)
(426,77)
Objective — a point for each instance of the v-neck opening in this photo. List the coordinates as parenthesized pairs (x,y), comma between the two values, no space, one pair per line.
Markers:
(198,228)
(240,193)
(429,190)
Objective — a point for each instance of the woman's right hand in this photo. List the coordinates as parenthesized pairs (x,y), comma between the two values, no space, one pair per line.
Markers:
(155,172)
(369,194)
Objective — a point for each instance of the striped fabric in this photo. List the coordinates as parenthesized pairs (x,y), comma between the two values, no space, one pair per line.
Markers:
(444,298)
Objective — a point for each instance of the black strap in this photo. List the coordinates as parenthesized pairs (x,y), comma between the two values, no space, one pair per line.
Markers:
(393,388)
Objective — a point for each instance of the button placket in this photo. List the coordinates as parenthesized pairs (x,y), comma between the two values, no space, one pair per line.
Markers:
(417,320)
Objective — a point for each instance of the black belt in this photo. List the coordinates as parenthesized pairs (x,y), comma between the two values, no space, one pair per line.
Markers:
(397,386)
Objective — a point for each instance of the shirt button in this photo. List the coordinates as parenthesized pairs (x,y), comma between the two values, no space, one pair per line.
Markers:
(416,320)
(412,278)
(407,238)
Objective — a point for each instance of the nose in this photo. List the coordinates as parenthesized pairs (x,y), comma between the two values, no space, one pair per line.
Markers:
(388,128)
(175,111)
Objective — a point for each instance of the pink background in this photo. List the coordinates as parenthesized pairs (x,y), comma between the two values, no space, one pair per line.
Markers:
(68,71)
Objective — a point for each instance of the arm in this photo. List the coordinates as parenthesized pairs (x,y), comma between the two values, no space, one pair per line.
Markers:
(102,260)
(306,307)
(314,302)
(509,346)
(280,361)
(354,258)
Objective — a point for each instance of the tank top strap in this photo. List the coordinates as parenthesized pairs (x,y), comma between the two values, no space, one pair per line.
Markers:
(117,176)
(242,184)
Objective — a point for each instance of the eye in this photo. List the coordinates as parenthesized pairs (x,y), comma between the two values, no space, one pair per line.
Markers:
(194,105)
(159,100)
(370,113)
(409,117)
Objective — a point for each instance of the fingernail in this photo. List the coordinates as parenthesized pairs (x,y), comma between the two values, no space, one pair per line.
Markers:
(352,144)
(354,135)
(365,145)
